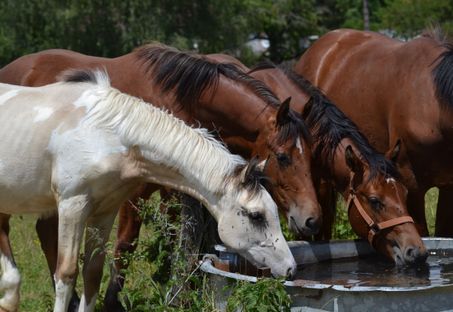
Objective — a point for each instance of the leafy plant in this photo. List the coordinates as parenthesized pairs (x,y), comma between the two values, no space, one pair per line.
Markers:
(164,280)
(342,228)
(267,294)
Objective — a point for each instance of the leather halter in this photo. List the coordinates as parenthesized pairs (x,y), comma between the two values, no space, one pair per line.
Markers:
(375,228)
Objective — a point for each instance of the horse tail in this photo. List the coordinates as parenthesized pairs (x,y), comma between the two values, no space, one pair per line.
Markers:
(96,76)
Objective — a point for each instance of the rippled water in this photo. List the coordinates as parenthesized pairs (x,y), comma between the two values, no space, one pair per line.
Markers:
(377,271)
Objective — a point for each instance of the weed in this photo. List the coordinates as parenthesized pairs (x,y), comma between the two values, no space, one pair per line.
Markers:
(266,295)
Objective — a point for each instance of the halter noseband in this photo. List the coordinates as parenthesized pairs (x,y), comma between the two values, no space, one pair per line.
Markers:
(375,228)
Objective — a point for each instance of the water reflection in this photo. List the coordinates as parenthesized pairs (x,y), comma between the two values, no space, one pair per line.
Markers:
(378,271)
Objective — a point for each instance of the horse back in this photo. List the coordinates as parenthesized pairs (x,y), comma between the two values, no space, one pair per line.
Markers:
(44,67)
(372,79)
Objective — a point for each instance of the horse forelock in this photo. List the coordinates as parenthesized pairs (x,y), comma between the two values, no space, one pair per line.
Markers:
(189,74)
(329,126)
(294,129)
(254,180)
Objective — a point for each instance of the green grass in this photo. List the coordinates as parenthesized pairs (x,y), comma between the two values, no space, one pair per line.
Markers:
(143,292)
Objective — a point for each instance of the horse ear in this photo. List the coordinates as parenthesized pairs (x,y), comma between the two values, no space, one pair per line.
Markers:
(261,166)
(356,165)
(251,167)
(306,110)
(353,161)
(393,153)
(283,112)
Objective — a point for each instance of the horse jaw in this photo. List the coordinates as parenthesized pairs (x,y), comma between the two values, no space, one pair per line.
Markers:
(262,243)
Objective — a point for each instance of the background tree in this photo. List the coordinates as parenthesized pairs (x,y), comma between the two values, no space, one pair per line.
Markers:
(409,18)
(114,27)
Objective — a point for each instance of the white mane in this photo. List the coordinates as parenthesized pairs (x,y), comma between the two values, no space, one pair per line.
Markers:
(162,137)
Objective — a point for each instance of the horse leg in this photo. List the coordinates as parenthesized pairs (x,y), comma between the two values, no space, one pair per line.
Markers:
(416,208)
(47,230)
(444,213)
(10,280)
(72,215)
(129,223)
(327,197)
(96,236)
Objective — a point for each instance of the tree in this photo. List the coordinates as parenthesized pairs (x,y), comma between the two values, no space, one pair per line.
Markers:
(409,17)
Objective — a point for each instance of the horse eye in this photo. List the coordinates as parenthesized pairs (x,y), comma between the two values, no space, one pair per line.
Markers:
(283,159)
(375,203)
(257,218)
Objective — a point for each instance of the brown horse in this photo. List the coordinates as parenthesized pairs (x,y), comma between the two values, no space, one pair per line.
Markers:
(220,97)
(396,90)
(343,157)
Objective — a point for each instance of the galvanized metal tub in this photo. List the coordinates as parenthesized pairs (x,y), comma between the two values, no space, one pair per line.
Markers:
(314,296)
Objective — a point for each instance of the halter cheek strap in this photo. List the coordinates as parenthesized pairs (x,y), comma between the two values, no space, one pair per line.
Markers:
(375,228)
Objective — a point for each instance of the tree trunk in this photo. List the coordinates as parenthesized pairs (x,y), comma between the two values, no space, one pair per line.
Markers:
(366,15)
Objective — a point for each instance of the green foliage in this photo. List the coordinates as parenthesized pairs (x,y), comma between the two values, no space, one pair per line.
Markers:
(266,295)
(342,228)
(112,28)
(430,208)
(163,278)
(409,17)
(285,22)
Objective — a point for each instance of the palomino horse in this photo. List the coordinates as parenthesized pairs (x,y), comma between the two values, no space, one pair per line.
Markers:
(85,147)
(395,90)
(218,96)
(368,181)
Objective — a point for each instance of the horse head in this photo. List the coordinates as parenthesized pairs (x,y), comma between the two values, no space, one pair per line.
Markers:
(251,226)
(286,146)
(377,211)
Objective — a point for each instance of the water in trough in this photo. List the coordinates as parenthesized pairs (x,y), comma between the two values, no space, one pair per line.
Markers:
(377,271)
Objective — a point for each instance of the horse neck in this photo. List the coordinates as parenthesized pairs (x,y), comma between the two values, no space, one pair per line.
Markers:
(283,87)
(170,152)
(235,109)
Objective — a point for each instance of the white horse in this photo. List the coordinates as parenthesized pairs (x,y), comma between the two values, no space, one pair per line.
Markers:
(80,148)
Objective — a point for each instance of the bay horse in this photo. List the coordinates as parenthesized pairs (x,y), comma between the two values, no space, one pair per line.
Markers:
(376,198)
(396,90)
(85,147)
(220,97)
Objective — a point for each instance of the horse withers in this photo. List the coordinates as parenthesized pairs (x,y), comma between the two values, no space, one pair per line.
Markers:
(85,147)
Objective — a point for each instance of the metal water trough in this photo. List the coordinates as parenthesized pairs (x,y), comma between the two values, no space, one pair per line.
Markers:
(311,296)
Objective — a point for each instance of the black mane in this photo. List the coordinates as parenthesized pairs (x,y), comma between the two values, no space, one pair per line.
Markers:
(443,71)
(78,75)
(189,74)
(329,126)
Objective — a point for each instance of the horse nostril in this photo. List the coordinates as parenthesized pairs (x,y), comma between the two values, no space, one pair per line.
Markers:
(413,254)
(312,224)
(409,253)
